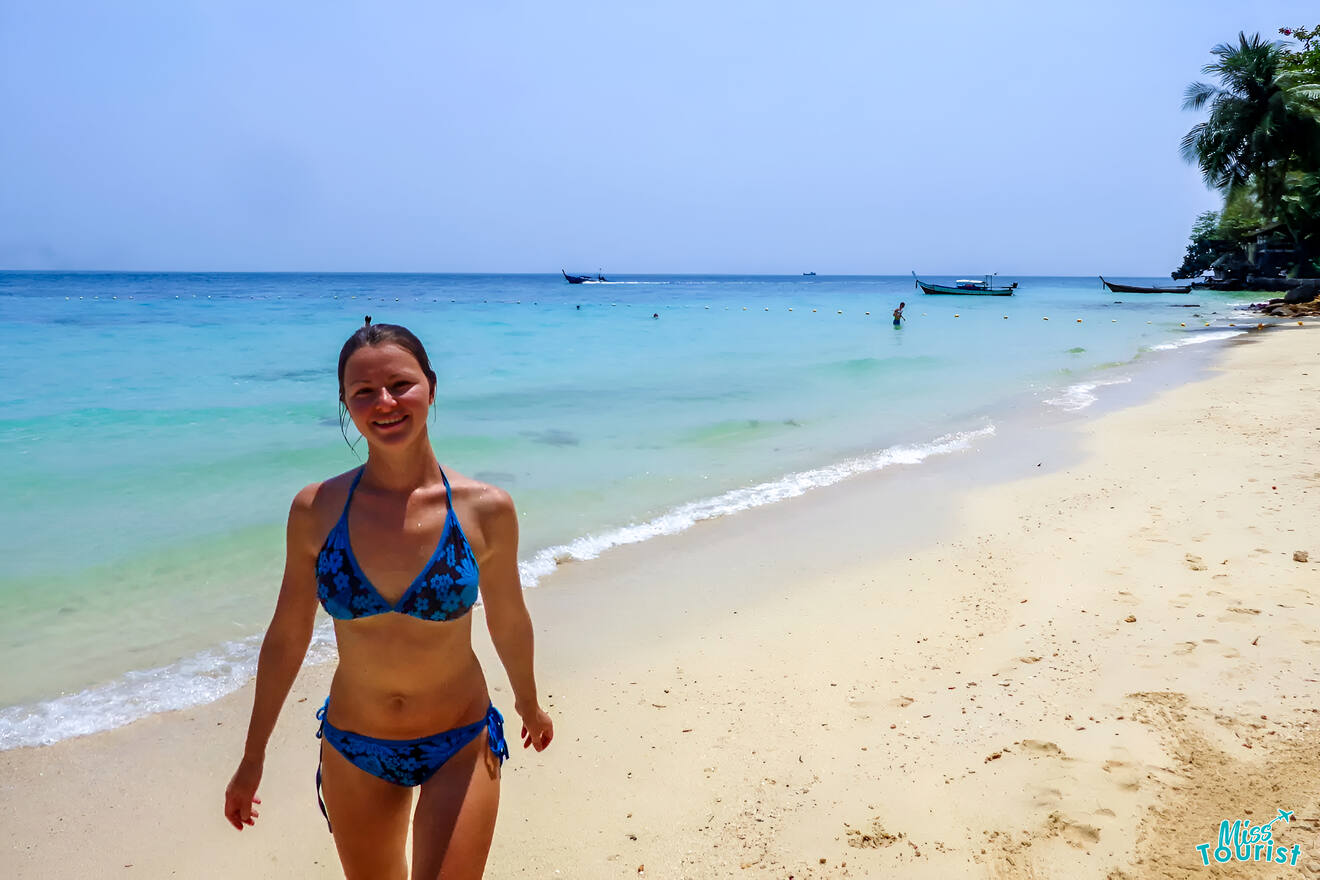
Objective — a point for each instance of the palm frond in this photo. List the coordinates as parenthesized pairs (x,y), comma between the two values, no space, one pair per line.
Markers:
(1198,95)
(1263,119)
(1189,144)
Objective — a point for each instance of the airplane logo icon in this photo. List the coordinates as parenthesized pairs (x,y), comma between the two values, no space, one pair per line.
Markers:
(1285,815)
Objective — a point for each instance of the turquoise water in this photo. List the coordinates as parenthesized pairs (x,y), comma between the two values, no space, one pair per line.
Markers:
(156,427)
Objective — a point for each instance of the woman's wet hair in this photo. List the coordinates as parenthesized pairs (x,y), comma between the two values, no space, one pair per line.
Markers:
(380,334)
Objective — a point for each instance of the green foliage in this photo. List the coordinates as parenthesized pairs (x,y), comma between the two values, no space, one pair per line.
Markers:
(1220,232)
(1204,248)
(1306,57)
(1300,74)
(1260,144)
(1258,130)
(1300,209)
(1241,217)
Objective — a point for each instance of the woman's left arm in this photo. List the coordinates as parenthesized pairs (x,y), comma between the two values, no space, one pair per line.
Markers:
(506,613)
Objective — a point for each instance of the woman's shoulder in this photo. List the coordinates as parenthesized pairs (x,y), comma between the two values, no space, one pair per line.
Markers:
(317,505)
(486,501)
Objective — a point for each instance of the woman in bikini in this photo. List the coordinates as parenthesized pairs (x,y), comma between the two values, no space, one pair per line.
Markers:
(396,552)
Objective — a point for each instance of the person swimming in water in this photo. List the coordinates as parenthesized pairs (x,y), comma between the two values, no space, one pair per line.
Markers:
(898,314)
(397,551)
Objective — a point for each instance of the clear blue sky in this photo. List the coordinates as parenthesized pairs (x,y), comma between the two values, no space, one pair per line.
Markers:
(841,137)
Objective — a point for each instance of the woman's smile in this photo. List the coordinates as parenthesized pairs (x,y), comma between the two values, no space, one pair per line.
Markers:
(385,389)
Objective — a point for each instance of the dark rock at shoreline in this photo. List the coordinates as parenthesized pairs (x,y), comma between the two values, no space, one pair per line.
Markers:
(1303,292)
(1280,309)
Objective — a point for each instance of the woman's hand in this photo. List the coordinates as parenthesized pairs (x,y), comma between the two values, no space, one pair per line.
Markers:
(537,730)
(242,793)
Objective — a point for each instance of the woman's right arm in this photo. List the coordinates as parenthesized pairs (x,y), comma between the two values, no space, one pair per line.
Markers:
(282,653)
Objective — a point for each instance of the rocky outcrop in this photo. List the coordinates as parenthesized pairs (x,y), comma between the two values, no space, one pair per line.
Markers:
(1277,308)
(1304,292)
(1302,300)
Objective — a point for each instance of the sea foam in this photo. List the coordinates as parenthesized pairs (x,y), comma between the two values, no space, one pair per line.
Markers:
(687,515)
(201,678)
(1078,397)
(1197,338)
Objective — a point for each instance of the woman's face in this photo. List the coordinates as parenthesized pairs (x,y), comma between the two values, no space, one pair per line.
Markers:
(386,393)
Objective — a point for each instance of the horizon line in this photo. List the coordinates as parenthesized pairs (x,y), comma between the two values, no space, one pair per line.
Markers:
(908,274)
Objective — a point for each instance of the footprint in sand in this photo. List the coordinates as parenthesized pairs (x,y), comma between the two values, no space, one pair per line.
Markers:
(1041,747)
(1129,782)
(1125,775)
(1184,647)
(1194,562)
(1076,833)
(902,702)
(1047,796)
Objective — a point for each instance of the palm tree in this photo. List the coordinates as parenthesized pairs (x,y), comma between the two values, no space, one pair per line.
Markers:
(1261,124)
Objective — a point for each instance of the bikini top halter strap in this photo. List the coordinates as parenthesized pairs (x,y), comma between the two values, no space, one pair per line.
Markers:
(449,495)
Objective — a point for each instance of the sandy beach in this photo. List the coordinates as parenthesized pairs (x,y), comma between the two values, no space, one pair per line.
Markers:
(1076,673)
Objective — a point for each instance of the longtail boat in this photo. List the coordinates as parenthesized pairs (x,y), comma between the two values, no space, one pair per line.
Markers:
(1133,288)
(967,287)
(582,279)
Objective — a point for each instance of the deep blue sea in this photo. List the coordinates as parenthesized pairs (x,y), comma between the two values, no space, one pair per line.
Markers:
(156,426)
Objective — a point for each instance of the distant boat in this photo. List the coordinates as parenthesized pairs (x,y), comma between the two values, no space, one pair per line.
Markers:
(1133,288)
(967,286)
(582,279)
(808,273)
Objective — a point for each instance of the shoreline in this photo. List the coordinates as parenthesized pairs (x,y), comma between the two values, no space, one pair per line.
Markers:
(217,669)
(754,665)
(147,589)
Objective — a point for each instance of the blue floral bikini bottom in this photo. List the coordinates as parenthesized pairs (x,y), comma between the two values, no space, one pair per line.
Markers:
(407,762)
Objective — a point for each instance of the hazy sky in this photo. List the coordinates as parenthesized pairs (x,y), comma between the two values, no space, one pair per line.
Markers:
(638,136)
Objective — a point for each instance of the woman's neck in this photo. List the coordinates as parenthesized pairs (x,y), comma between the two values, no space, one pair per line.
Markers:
(402,470)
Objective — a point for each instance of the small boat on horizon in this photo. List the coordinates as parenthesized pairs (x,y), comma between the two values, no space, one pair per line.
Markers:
(967,286)
(582,279)
(808,273)
(1133,288)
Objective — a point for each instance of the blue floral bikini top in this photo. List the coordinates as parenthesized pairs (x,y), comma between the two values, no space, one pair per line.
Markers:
(445,590)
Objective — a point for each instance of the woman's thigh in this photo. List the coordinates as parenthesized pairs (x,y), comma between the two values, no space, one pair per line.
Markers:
(369,817)
(455,817)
